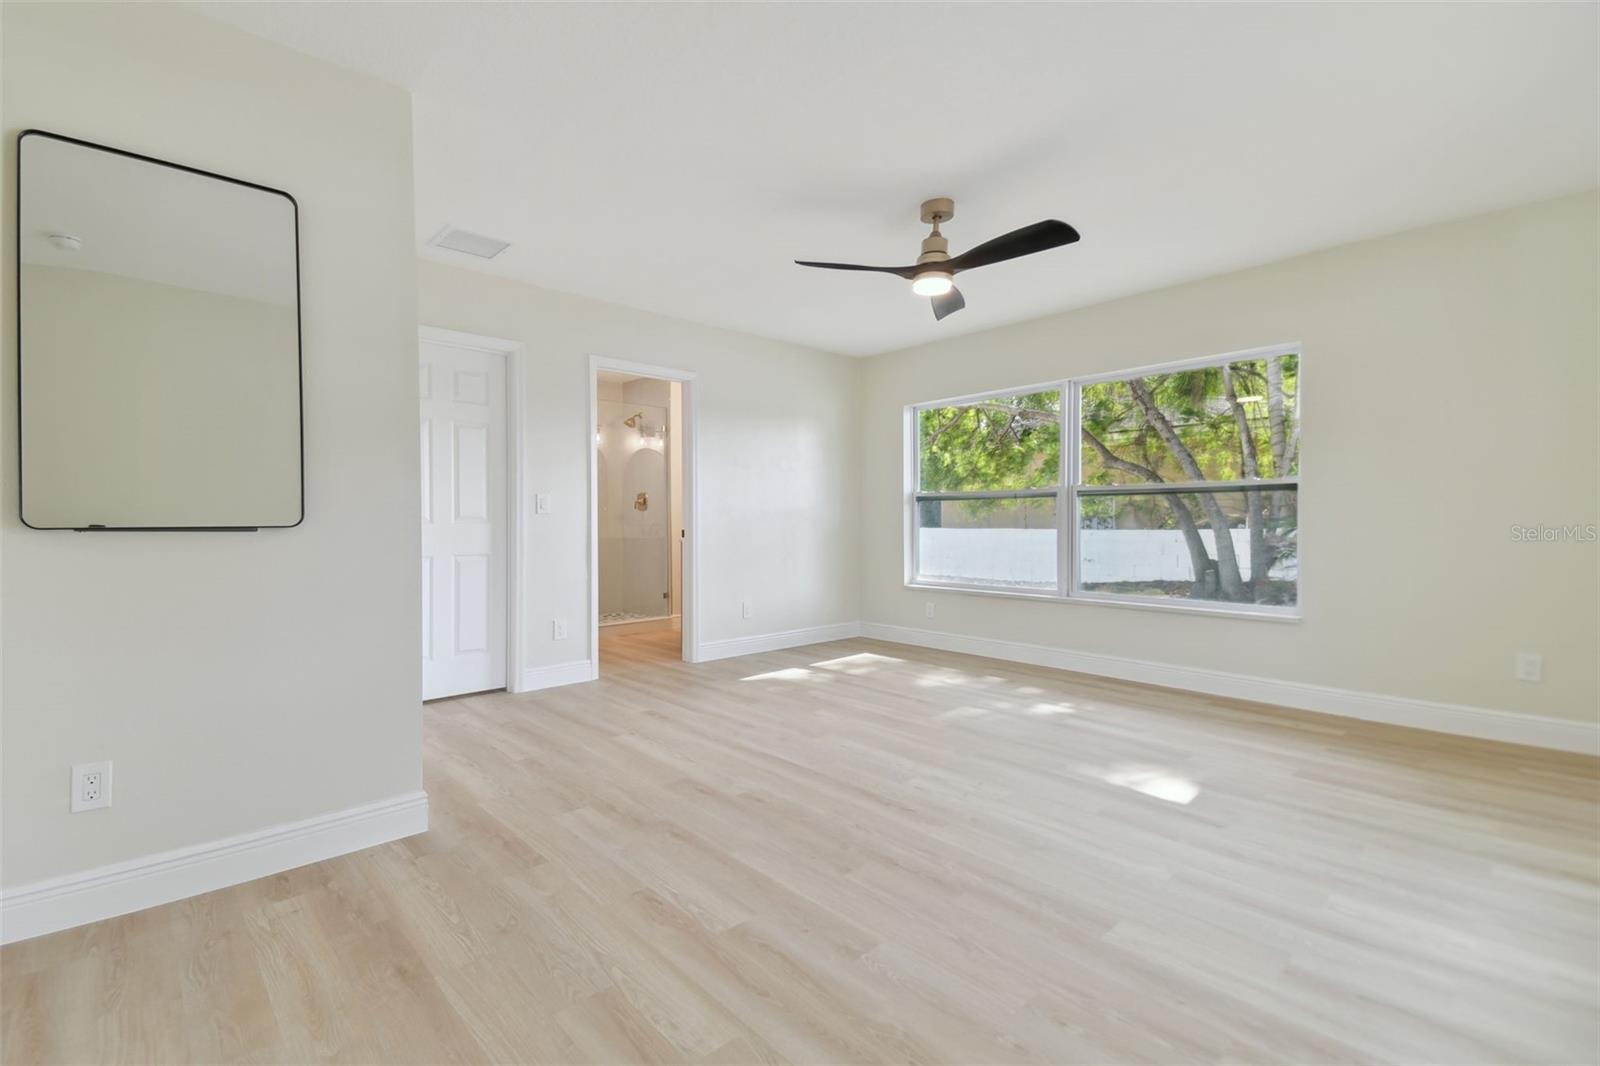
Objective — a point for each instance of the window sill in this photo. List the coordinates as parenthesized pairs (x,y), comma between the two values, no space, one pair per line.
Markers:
(1252,614)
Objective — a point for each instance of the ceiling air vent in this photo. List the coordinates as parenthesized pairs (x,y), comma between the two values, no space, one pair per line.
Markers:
(459,240)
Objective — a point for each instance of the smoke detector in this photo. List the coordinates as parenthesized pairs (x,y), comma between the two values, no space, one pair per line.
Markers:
(460,240)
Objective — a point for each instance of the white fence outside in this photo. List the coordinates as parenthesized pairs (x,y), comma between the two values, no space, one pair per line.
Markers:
(1027,557)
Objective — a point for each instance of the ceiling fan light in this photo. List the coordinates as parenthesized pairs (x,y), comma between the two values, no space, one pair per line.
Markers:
(932,283)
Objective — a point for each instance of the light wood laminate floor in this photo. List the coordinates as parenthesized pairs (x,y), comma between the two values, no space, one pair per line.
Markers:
(862,852)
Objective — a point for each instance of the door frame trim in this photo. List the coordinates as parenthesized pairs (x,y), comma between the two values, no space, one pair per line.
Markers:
(691,500)
(515,354)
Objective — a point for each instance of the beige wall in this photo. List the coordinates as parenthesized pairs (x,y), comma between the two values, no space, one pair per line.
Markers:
(236,680)
(777,457)
(1483,331)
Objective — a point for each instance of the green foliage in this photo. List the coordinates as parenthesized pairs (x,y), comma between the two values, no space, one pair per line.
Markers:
(1195,403)
(1006,442)
(1014,442)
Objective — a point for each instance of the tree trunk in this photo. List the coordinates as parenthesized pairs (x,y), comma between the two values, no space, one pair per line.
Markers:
(1255,518)
(1275,422)
(1199,559)
(1227,560)
(1294,445)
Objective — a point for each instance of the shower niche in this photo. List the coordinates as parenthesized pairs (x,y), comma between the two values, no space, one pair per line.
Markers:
(638,499)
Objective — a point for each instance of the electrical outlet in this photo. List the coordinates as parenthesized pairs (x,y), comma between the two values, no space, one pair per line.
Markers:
(558,629)
(541,503)
(1530,666)
(746,608)
(927,609)
(91,786)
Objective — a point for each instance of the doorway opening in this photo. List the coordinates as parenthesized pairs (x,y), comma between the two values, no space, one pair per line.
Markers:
(641,486)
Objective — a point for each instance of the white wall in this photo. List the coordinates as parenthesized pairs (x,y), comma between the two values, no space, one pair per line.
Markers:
(236,680)
(1413,583)
(1028,557)
(777,457)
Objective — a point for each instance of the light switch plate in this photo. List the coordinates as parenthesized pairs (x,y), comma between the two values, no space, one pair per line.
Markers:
(541,503)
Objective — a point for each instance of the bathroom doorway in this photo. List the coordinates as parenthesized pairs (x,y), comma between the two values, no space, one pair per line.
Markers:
(640,518)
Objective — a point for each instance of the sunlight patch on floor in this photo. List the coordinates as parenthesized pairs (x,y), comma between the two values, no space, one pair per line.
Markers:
(793,673)
(1153,781)
(863,663)
(942,679)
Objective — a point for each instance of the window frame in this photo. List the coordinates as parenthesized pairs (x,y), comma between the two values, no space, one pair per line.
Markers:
(1069,491)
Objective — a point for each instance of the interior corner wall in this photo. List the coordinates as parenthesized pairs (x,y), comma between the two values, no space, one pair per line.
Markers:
(236,680)
(775,447)
(1450,381)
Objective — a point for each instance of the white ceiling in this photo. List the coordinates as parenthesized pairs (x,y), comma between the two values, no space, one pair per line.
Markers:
(677,157)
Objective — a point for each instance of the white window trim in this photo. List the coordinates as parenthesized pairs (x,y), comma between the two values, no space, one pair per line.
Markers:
(1068,489)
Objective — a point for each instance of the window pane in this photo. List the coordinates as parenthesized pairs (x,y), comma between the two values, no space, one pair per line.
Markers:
(1006,543)
(1167,545)
(1004,442)
(1185,425)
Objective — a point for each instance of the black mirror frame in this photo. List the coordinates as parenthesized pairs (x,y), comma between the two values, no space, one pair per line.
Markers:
(300,402)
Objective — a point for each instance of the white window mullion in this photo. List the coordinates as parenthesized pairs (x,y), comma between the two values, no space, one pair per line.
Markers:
(1066,500)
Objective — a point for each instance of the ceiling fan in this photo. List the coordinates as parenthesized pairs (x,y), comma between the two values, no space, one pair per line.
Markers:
(934,272)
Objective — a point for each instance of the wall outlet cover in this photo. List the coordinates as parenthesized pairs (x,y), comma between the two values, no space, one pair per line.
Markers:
(1530,666)
(91,786)
(558,629)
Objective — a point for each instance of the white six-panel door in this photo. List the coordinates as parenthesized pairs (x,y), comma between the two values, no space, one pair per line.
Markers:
(463,520)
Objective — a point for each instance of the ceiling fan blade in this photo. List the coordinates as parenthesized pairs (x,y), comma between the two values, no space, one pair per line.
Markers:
(1039,237)
(904,272)
(949,303)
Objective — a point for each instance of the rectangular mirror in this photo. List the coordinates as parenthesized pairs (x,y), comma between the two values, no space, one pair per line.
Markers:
(158,356)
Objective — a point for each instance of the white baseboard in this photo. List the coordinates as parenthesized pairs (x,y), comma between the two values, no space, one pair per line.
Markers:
(538,677)
(121,888)
(789,638)
(1482,722)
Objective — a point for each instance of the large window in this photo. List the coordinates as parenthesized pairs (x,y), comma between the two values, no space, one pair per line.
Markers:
(1181,487)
